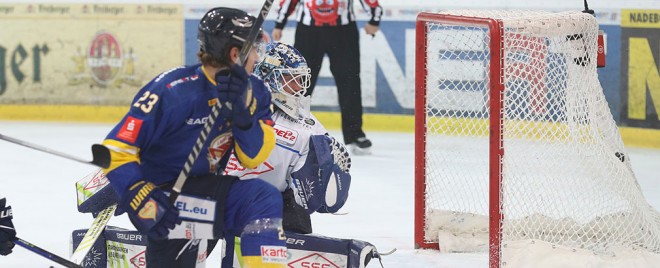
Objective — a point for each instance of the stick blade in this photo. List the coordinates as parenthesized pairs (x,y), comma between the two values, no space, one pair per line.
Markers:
(101,156)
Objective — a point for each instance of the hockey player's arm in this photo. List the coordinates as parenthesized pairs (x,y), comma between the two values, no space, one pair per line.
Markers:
(286,8)
(132,133)
(253,145)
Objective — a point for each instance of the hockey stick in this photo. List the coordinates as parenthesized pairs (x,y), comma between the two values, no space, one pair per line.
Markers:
(92,234)
(215,111)
(100,154)
(46,254)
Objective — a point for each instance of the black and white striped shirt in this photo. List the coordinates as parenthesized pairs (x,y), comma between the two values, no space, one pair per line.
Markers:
(321,13)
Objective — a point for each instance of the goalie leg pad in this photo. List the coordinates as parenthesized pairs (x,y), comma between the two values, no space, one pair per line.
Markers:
(320,251)
(263,244)
(94,193)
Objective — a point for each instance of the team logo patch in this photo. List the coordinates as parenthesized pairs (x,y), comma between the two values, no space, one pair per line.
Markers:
(217,149)
(130,130)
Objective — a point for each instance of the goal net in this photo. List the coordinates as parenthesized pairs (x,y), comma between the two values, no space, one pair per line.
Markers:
(516,148)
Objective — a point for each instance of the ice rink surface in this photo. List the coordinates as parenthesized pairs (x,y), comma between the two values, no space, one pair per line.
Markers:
(40,188)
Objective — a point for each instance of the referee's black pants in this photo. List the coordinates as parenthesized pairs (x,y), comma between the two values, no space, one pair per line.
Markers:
(342,44)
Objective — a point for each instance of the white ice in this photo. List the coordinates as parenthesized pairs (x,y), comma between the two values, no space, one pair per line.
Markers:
(40,188)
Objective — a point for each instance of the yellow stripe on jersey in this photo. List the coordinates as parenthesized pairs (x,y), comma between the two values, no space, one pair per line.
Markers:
(266,148)
(209,77)
(257,262)
(120,154)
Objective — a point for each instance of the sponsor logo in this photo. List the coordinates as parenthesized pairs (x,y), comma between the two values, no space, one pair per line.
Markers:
(182,80)
(139,260)
(195,208)
(315,260)
(142,193)
(273,254)
(310,121)
(99,180)
(130,237)
(286,135)
(167,72)
(197,121)
(242,22)
(130,130)
(234,165)
(105,63)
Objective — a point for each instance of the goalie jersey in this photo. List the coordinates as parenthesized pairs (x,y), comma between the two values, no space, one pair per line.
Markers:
(292,146)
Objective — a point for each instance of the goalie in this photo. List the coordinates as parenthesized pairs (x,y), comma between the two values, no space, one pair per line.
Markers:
(309,167)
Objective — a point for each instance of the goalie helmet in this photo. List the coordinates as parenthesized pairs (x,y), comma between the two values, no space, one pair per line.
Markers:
(285,72)
(221,29)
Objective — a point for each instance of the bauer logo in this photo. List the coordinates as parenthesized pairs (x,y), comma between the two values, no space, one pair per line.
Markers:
(313,261)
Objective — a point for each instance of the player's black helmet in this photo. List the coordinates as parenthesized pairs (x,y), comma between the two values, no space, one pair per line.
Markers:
(221,29)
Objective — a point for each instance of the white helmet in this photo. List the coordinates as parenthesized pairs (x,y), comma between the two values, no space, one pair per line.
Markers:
(287,76)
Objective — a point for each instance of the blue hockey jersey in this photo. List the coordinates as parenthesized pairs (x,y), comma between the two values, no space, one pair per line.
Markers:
(155,137)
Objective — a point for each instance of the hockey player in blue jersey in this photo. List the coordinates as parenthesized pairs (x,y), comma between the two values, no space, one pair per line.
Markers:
(7,231)
(150,145)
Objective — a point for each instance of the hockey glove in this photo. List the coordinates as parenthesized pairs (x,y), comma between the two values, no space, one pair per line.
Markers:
(7,231)
(150,210)
(238,103)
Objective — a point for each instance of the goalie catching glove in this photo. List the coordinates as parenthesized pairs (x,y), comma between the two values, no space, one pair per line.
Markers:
(322,183)
(149,210)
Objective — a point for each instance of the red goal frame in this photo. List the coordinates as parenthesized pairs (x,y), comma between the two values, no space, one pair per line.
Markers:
(496,151)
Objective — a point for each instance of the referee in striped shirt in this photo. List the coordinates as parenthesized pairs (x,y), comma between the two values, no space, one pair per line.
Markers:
(328,27)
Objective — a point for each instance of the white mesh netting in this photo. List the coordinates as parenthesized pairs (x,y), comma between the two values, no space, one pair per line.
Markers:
(566,179)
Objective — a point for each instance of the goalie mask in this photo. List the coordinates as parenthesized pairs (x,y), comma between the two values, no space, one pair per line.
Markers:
(285,72)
